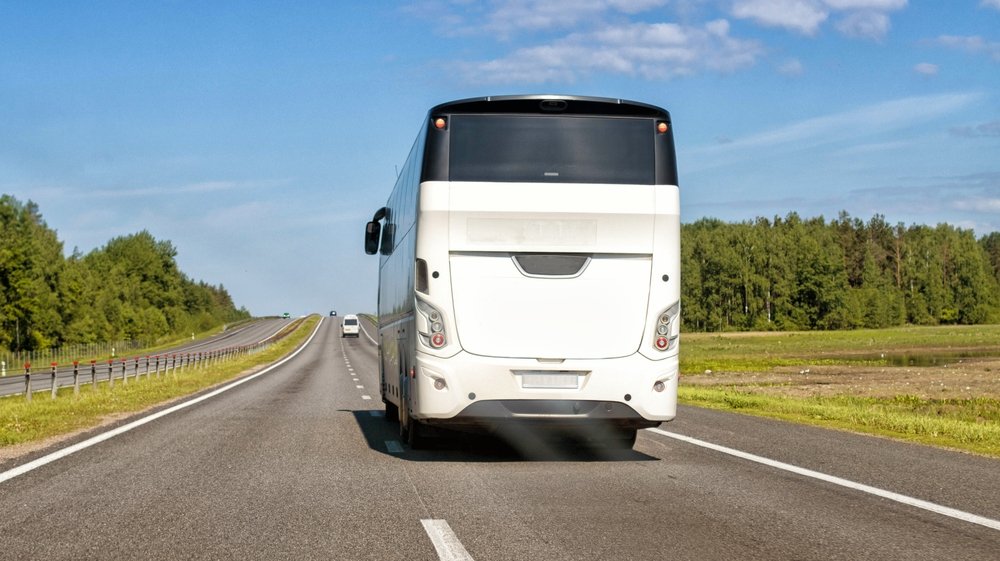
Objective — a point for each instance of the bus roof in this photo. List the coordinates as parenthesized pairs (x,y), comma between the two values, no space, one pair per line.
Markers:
(551,104)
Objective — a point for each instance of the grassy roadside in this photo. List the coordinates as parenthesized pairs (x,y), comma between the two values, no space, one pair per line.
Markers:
(855,384)
(23,422)
(750,352)
(969,425)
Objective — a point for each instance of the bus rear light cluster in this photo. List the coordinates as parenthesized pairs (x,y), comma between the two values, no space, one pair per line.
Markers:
(665,326)
(431,329)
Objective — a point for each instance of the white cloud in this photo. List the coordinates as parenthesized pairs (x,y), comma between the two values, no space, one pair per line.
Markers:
(803,16)
(926,68)
(971,44)
(508,17)
(867,4)
(978,204)
(995,4)
(983,130)
(864,25)
(655,51)
(791,67)
(838,127)
(866,19)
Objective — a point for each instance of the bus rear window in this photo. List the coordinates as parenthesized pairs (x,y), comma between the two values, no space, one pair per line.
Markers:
(555,149)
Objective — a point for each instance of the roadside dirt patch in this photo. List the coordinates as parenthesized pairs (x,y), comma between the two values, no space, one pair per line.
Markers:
(962,379)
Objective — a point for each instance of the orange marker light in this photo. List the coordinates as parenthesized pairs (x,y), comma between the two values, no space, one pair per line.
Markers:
(440,123)
(662,127)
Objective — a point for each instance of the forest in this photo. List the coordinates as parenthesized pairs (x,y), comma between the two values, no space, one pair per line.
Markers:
(809,274)
(767,274)
(128,289)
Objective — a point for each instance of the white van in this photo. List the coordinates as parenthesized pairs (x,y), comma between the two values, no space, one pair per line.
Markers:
(349,326)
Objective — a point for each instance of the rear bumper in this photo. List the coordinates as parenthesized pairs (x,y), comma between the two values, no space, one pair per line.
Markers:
(486,391)
(549,414)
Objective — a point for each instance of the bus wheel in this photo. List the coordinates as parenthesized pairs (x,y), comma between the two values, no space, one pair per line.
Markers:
(411,431)
(416,436)
(624,439)
(391,412)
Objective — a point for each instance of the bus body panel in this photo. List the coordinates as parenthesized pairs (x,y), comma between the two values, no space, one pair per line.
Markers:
(503,313)
(564,217)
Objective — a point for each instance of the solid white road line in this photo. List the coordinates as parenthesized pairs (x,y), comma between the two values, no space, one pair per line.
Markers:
(922,504)
(365,331)
(445,541)
(59,454)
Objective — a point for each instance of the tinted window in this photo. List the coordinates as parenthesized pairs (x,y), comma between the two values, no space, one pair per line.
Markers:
(350,322)
(557,149)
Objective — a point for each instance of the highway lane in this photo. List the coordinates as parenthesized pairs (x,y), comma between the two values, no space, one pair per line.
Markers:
(297,464)
(242,334)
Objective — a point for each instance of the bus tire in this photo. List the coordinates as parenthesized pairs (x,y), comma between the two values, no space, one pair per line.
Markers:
(410,430)
(416,436)
(625,439)
(391,412)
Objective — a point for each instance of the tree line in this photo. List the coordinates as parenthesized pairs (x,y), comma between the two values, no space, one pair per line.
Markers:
(129,289)
(792,273)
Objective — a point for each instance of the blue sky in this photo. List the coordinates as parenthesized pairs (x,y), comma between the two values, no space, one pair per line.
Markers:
(258,137)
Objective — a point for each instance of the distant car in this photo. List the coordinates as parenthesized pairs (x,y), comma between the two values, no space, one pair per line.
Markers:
(349,327)
(333,313)
(286,315)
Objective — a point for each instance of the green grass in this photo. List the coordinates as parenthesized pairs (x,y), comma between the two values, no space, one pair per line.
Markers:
(22,421)
(755,352)
(966,424)
(971,425)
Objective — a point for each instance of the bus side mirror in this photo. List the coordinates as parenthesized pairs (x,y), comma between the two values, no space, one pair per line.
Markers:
(372,231)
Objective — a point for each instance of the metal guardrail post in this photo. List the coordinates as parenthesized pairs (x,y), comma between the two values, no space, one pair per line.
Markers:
(124,373)
(27,381)
(93,374)
(111,373)
(76,377)
(55,385)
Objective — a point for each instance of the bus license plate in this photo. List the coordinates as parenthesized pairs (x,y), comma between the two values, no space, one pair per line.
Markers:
(550,380)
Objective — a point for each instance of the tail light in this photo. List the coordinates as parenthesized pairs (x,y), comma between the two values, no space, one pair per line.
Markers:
(430,325)
(666,328)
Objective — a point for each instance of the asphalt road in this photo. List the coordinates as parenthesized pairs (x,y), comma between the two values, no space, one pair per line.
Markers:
(242,334)
(297,464)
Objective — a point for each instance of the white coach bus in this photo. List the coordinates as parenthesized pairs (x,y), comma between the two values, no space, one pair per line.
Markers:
(529,269)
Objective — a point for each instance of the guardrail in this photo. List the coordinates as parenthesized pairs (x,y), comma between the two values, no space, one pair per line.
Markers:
(124,369)
(10,361)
